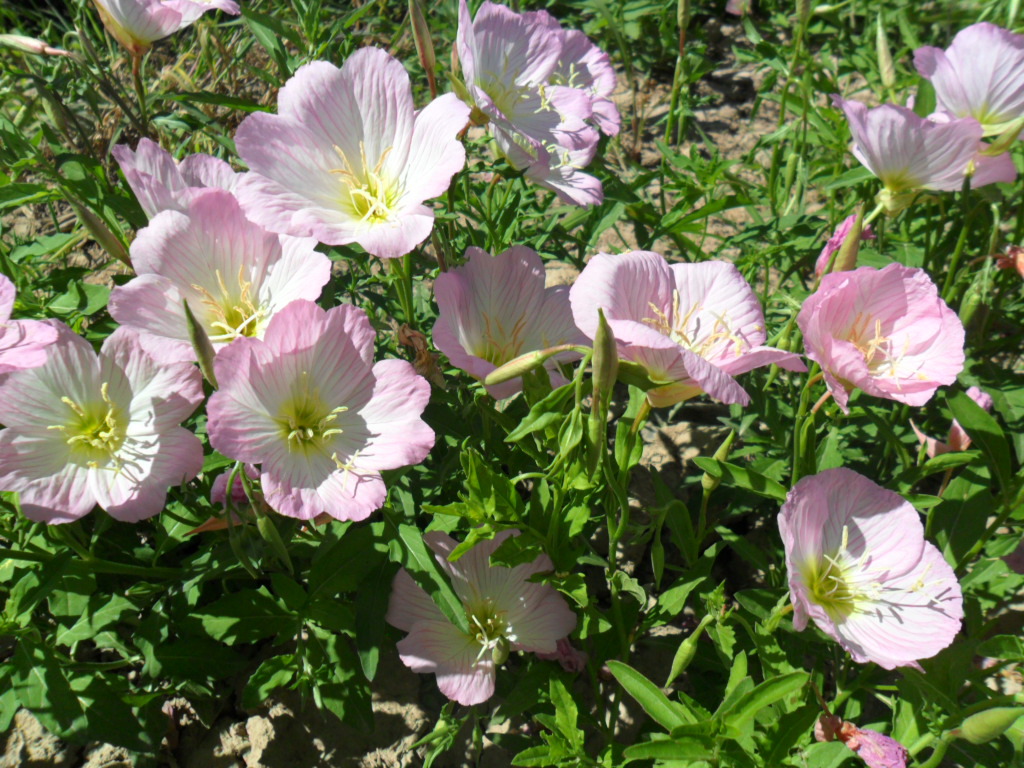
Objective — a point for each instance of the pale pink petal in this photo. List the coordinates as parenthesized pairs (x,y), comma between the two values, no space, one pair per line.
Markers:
(625,286)
(433,157)
(978,76)
(409,604)
(207,171)
(137,24)
(153,176)
(395,434)
(439,647)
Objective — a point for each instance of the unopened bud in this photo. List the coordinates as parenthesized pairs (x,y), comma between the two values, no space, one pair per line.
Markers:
(846,259)
(606,361)
(523,364)
(686,651)
(990,724)
(201,344)
(709,483)
(102,234)
(885,65)
(31,45)
(424,45)
(803,11)
(499,653)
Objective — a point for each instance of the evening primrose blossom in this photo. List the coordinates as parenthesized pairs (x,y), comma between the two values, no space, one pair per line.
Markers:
(137,24)
(308,404)
(348,158)
(693,327)
(505,610)
(859,566)
(84,429)
(884,331)
(980,75)
(233,273)
(494,308)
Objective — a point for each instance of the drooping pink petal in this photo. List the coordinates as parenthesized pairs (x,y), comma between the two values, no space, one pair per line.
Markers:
(908,152)
(691,326)
(23,343)
(835,242)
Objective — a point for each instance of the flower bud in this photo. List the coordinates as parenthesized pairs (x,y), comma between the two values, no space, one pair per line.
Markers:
(885,65)
(709,483)
(499,653)
(202,346)
(424,45)
(102,234)
(989,724)
(31,45)
(523,364)
(846,259)
(687,650)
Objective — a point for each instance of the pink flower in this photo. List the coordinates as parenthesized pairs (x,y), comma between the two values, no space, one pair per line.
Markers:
(506,612)
(568,657)
(958,439)
(907,152)
(693,327)
(836,242)
(84,429)
(234,275)
(495,308)
(875,749)
(885,331)
(161,183)
(137,24)
(738,7)
(859,566)
(981,75)
(545,90)
(348,159)
(309,405)
(23,343)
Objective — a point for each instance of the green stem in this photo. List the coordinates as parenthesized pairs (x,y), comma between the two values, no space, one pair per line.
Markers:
(954,263)
(95,565)
(999,522)
(401,268)
(140,91)
(937,754)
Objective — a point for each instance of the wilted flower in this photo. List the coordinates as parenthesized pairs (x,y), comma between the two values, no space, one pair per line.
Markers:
(980,75)
(85,430)
(569,658)
(234,275)
(23,343)
(348,159)
(495,308)
(885,331)
(1012,259)
(137,24)
(219,489)
(835,242)
(162,184)
(907,152)
(693,327)
(545,90)
(859,566)
(506,612)
(958,439)
(875,749)
(308,404)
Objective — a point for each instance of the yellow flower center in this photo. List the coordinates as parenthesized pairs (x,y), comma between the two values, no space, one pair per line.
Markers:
(490,630)
(369,195)
(499,345)
(96,430)
(677,326)
(839,582)
(231,311)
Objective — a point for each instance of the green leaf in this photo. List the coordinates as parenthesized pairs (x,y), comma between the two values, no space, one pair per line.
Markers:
(103,611)
(985,433)
(1003,647)
(246,617)
(690,748)
(275,672)
(82,298)
(543,414)
(419,560)
(764,695)
(740,477)
(42,688)
(661,709)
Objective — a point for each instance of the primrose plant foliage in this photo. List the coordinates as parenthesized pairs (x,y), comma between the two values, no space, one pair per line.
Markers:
(416,350)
